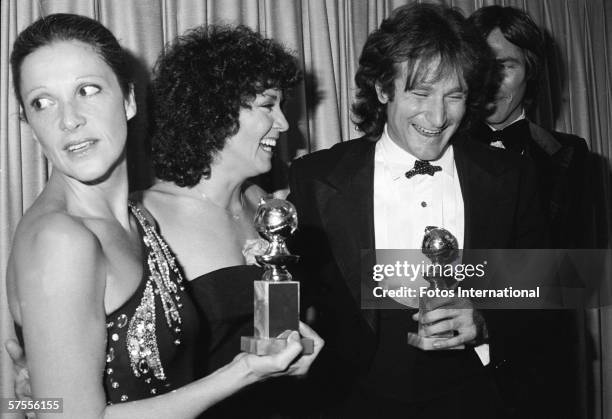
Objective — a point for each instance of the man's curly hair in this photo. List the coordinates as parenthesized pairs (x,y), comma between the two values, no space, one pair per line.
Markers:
(421,34)
(201,82)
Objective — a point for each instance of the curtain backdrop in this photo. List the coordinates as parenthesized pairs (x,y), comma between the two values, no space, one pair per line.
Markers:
(326,36)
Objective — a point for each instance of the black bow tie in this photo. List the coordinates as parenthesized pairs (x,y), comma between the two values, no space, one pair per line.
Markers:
(422,168)
(514,137)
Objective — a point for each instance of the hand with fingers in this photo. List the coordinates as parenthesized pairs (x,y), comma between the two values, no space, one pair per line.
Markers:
(456,315)
(289,361)
(23,390)
(20,369)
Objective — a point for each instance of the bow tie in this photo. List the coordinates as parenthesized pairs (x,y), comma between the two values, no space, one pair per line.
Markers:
(514,137)
(422,168)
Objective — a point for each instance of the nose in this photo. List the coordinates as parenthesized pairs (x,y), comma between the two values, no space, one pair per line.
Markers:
(436,112)
(280,122)
(70,118)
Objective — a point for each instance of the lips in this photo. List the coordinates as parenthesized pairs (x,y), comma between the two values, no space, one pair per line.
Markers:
(80,145)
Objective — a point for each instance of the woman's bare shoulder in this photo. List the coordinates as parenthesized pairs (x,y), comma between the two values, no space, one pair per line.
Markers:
(46,242)
(40,227)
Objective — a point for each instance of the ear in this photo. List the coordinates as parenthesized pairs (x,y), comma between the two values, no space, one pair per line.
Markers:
(129,103)
(382,96)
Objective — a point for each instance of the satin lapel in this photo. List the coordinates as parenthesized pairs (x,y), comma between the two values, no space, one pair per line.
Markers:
(544,139)
(346,209)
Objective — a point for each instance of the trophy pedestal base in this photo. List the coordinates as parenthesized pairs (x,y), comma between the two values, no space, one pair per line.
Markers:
(271,346)
(277,308)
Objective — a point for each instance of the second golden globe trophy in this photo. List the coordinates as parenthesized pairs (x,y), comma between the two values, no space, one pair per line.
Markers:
(442,248)
(276,295)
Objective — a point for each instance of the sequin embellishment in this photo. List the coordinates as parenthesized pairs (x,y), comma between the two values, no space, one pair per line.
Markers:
(141,337)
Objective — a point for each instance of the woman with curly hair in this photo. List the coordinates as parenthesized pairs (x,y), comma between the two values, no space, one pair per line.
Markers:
(218,95)
(98,298)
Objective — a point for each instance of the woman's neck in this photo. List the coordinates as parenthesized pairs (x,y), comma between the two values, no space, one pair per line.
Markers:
(106,199)
(224,194)
(223,188)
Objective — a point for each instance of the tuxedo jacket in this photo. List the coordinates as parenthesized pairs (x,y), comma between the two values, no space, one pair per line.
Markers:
(333,193)
(565,179)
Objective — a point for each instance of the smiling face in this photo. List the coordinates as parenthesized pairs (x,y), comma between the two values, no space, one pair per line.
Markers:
(423,119)
(250,150)
(76,109)
(508,103)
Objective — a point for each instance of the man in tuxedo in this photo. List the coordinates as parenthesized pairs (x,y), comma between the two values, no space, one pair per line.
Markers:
(422,74)
(563,177)
(561,159)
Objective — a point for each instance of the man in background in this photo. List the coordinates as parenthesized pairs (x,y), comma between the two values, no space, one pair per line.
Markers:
(561,159)
(563,181)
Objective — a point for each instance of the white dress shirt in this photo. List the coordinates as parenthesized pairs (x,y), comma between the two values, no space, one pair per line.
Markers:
(404,207)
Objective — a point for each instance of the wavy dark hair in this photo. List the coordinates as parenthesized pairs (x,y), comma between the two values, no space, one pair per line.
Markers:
(419,35)
(201,82)
(69,27)
(518,28)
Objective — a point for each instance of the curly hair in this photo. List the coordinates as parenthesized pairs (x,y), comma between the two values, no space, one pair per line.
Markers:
(421,35)
(519,29)
(201,82)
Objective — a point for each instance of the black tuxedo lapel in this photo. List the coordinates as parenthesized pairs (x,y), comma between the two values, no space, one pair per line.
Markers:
(346,208)
(484,197)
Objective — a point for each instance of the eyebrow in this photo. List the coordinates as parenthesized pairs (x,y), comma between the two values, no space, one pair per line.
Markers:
(29,92)
(429,86)
(97,76)
(33,89)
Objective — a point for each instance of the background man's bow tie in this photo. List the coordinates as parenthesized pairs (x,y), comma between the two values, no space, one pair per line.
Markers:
(422,168)
(514,137)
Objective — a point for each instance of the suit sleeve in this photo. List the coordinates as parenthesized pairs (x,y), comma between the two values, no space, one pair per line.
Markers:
(301,243)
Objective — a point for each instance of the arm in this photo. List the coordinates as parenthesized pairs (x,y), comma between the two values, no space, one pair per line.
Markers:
(60,279)
(63,318)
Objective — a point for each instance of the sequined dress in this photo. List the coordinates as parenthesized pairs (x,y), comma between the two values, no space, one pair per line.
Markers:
(152,339)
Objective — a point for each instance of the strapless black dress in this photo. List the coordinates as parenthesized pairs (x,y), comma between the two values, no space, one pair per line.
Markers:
(225,299)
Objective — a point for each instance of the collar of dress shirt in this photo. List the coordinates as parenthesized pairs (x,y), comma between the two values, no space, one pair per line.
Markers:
(399,161)
(521,116)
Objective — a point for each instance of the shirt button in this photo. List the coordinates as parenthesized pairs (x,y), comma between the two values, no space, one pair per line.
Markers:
(423,204)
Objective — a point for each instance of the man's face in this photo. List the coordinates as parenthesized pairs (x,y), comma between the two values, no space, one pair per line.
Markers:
(508,103)
(422,120)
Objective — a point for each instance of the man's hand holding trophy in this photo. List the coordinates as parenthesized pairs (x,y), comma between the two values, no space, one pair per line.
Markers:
(444,323)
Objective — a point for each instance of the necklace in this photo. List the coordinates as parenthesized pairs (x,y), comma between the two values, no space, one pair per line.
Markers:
(234,216)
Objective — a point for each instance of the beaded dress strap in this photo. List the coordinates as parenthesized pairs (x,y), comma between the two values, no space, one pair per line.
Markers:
(164,281)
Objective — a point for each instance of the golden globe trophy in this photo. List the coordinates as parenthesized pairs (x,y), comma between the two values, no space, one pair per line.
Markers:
(276,296)
(442,248)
